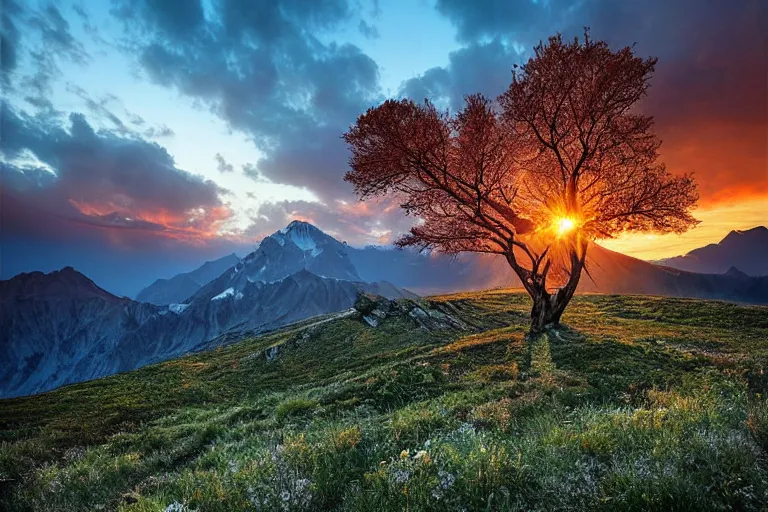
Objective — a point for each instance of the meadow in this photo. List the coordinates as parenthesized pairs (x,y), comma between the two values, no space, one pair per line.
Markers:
(635,403)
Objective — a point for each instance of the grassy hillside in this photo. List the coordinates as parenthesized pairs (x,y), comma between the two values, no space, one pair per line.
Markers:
(641,403)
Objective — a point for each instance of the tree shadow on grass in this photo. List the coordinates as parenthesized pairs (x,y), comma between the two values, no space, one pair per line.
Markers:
(610,366)
(540,354)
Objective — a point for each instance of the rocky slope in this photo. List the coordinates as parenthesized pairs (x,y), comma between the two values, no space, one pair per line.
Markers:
(60,327)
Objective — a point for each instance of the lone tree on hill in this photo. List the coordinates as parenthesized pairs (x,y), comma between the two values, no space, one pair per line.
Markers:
(561,160)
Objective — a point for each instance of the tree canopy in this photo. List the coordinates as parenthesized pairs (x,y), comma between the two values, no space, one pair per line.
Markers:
(562,158)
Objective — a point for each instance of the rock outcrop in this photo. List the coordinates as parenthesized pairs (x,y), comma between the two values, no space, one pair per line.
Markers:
(373,310)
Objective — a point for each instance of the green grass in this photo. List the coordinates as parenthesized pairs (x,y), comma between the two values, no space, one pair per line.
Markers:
(637,403)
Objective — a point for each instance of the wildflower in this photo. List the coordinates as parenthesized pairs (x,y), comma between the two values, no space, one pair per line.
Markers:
(177,507)
(402,476)
(423,456)
(383,463)
(404,454)
(446,481)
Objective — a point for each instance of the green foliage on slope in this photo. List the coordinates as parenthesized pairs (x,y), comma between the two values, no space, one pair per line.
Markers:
(640,403)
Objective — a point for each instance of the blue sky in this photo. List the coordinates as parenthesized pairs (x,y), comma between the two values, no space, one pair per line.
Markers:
(151,135)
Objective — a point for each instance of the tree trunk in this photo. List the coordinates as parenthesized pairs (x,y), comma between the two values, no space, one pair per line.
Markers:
(548,307)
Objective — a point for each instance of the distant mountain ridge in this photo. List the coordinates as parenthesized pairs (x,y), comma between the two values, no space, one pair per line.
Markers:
(61,328)
(745,250)
(57,327)
(182,286)
(606,272)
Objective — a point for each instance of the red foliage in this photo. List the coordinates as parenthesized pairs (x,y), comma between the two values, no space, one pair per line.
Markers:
(562,143)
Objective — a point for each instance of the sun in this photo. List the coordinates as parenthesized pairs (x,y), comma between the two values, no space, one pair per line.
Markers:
(563,225)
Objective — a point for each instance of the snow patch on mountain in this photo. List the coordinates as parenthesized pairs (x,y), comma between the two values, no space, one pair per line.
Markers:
(226,293)
(178,308)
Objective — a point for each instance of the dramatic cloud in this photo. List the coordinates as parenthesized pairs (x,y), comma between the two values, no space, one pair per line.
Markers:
(264,69)
(709,93)
(482,67)
(102,179)
(84,158)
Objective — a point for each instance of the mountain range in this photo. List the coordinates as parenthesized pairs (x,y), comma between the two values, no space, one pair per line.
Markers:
(746,250)
(61,328)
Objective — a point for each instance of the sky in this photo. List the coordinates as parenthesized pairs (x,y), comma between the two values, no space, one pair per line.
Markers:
(141,138)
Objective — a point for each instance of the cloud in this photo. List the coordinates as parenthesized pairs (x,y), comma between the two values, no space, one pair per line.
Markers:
(102,179)
(10,39)
(222,165)
(368,30)
(47,41)
(158,132)
(265,70)
(357,223)
(484,67)
(708,93)
(523,19)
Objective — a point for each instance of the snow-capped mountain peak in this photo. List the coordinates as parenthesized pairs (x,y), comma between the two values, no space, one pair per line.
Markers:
(303,235)
(298,246)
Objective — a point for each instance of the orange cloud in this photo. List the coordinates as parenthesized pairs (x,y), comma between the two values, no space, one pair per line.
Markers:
(195,226)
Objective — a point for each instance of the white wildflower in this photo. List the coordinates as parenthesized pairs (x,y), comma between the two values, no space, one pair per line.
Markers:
(177,507)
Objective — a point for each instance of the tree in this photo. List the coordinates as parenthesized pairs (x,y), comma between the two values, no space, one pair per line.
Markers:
(560,160)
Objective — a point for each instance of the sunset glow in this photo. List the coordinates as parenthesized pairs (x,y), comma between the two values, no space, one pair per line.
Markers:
(717,220)
(564,225)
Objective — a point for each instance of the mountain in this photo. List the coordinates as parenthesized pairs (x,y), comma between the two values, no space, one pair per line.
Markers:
(607,272)
(182,286)
(299,246)
(745,250)
(61,328)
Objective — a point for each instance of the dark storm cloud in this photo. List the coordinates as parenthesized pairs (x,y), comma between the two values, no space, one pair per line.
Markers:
(263,68)
(99,178)
(708,92)
(523,19)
